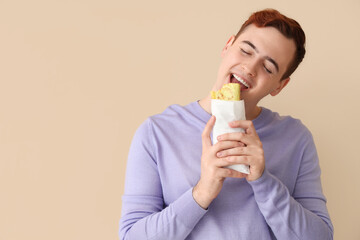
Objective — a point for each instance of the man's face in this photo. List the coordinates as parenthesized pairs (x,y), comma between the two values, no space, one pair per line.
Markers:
(257,60)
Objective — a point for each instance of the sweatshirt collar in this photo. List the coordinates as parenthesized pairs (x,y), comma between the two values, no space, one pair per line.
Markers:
(258,122)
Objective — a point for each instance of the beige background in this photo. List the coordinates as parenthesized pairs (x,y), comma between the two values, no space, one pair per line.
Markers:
(78,77)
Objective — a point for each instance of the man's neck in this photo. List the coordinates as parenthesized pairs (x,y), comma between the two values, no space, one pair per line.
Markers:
(250,112)
(205,103)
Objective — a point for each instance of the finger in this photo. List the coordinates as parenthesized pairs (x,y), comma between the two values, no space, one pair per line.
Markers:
(235,136)
(231,160)
(247,125)
(222,145)
(247,160)
(237,174)
(206,139)
(240,137)
(221,162)
(237,151)
(227,172)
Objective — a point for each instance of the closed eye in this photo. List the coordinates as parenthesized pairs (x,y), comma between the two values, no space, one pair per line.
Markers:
(246,52)
(267,70)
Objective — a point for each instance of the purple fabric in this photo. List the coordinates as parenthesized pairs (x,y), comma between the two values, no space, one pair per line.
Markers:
(164,165)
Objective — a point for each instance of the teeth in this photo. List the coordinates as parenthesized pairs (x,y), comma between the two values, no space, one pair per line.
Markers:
(240,80)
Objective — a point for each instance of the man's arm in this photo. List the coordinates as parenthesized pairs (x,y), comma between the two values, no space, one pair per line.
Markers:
(302,215)
(213,172)
(143,212)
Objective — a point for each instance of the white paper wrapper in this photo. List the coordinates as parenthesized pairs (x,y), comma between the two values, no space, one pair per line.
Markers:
(225,112)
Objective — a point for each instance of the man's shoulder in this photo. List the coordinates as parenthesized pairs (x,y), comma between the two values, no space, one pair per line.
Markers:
(176,112)
(171,112)
(176,121)
(286,122)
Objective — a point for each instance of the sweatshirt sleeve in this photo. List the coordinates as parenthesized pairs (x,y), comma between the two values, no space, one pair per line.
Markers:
(144,215)
(302,214)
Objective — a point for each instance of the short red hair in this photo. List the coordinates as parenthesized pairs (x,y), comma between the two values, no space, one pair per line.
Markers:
(287,26)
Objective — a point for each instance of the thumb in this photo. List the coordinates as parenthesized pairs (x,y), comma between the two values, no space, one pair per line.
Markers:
(206,140)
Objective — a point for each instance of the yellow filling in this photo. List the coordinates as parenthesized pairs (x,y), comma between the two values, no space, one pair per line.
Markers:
(228,92)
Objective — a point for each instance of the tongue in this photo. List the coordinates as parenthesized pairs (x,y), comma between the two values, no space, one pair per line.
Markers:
(242,86)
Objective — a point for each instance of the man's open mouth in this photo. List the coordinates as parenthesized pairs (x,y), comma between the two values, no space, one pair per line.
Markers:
(236,79)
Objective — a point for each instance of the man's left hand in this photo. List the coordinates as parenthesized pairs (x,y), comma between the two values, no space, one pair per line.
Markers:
(251,153)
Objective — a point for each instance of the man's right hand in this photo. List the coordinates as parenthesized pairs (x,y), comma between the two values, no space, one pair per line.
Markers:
(213,172)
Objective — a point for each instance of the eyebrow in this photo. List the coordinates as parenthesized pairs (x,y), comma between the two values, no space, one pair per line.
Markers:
(266,57)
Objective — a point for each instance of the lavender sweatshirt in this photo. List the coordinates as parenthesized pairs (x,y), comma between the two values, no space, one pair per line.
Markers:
(286,202)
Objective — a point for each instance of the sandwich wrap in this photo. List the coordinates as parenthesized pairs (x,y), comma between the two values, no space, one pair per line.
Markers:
(226,106)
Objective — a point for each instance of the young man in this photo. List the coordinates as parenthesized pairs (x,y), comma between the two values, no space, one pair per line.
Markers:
(176,184)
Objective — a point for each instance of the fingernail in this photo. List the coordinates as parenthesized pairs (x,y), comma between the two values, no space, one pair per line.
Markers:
(219,138)
(219,154)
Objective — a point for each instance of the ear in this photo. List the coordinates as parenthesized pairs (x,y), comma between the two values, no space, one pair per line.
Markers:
(228,44)
(282,84)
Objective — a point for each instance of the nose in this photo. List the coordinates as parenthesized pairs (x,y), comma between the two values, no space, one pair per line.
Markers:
(249,68)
